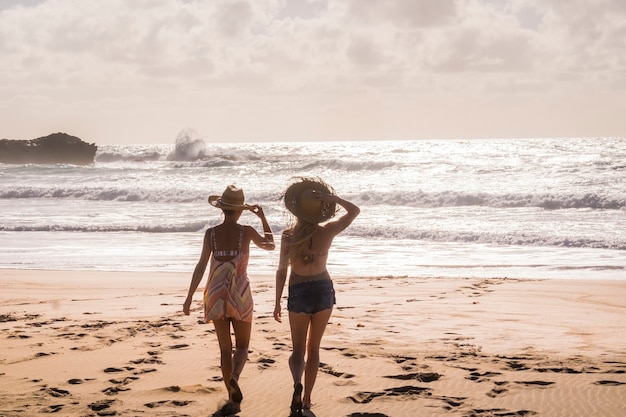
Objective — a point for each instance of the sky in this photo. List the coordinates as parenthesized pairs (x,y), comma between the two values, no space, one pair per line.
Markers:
(142,71)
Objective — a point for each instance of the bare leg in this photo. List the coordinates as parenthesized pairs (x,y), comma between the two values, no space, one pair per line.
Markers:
(316,331)
(299,324)
(222,330)
(242,342)
(232,365)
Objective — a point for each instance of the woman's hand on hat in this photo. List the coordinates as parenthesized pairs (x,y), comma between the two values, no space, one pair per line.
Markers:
(323,197)
(256,209)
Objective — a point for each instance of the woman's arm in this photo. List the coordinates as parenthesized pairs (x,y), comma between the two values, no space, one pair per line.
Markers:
(281,275)
(281,278)
(338,225)
(198,272)
(267,240)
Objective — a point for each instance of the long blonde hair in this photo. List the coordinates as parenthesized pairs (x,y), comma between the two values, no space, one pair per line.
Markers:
(301,235)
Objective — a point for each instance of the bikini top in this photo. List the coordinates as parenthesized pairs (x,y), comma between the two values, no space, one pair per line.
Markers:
(307,258)
(227,253)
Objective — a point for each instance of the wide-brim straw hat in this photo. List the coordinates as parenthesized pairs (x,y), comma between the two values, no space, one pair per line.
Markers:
(231,199)
(301,202)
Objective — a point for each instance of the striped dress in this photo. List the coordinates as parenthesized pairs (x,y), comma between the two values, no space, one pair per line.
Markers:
(227,293)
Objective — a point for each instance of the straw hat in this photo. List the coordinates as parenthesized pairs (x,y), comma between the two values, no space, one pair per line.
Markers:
(300,200)
(231,199)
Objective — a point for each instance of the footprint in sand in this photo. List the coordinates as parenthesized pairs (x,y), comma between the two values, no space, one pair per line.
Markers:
(498,389)
(411,392)
(564,370)
(419,376)
(101,405)
(190,389)
(114,390)
(57,392)
(406,391)
(517,366)
(124,381)
(535,383)
(179,346)
(119,385)
(500,412)
(280,346)
(150,360)
(329,370)
(265,363)
(55,408)
(451,401)
(194,389)
(609,383)
(18,336)
(176,403)
(403,359)
(347,353)
(144,371)
(111,369)
(481,377)
(354,355)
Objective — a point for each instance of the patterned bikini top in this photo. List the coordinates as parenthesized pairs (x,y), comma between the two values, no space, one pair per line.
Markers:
(227,253)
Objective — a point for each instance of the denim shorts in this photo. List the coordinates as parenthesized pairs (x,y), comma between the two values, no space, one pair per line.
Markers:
(311,297)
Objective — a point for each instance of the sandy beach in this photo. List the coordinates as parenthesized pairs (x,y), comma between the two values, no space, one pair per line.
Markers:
(117,344)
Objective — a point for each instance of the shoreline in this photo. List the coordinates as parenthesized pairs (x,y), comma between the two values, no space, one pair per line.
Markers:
(94,343)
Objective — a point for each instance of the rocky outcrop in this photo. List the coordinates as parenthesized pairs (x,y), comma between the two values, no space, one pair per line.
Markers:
(57,148)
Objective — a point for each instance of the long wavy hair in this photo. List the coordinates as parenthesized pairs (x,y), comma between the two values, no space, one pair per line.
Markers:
(301,234)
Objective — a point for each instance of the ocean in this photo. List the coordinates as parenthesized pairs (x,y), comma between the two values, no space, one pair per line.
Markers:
(517,208)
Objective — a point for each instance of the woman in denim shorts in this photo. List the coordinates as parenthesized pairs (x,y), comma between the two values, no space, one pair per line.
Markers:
(311,296)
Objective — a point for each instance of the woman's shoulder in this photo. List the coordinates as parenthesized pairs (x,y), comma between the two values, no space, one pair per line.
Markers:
(247,230)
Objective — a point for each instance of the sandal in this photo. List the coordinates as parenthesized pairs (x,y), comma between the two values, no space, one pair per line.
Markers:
(236,395)
(296,401)
(229,409)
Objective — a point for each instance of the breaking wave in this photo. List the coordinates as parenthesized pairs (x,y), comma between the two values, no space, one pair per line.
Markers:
(407,199)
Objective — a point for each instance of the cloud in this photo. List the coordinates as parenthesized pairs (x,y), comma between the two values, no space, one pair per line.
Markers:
(304,9)
(12,4)
(404,13)
(233,18)
(195,57)
(168,38)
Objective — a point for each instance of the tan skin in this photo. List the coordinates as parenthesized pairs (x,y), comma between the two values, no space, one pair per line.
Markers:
(227,238)
(304,324)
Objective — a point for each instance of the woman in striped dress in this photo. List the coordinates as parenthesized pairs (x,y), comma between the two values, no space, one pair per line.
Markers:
(227,297)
